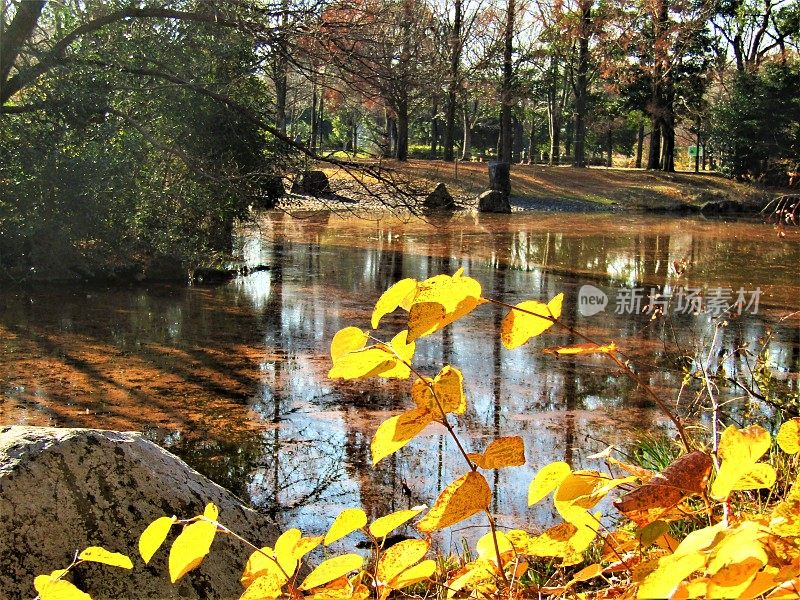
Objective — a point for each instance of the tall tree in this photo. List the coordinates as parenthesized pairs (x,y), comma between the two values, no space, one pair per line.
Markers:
(507,86)
(456,45)
(382,49)
(581,86)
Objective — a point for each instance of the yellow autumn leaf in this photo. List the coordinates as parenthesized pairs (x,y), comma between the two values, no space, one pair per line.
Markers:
(346,522)
(393,298)
(785,518)
(284,550)
(396,432)
(264,587)
(761,584)
(471,575)
(441,300)
(347,591)
(582,349)
(331,569)
(699,540)
(518,327)
(586,573)
(546,480)
(486,549)
(739,449)
(50,588)
(448,388)
(153,536)
(460,500)
(306,545)
(404,351)
(262,562)
(400,557)
(787,590)
(733,579)
(211,511)
(761,475)
(415,574)
(347,340)
(566,540)
(671,571)
(362,364)
(190,547)
(502,452)
(382,526)
(101,555)
(581,490)
(788,437)
(739,544)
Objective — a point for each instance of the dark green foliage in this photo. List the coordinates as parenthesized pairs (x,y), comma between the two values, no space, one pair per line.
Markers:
(124,173)
(759,123)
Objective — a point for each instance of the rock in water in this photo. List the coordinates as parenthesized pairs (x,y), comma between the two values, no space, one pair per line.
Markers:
(439,199)
(62,490)
(493,201)
(312,183)
(500,177)
(272,191)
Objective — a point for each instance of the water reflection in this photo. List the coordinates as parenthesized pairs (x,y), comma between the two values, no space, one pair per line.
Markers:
(233,378)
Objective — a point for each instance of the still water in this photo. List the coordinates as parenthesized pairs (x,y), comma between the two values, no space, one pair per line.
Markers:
(233,378)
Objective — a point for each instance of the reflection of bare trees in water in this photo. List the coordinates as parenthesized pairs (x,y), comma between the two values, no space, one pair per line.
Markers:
(300,469)
(298,466)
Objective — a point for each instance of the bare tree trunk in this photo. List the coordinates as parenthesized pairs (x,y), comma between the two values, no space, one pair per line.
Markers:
(657,111)
(532,142)
(434,129)
(554,113)
(518,139)
(609,146)
(314,129)
(569,134)
(504,146)
(280,70)
(640,144)
(14,36)
(466,152)
(668,127)
(581,84)
(697,149)
(401,150)
(452,85)
(321,117)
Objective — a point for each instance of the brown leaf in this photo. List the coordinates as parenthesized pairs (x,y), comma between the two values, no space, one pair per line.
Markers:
(686,476)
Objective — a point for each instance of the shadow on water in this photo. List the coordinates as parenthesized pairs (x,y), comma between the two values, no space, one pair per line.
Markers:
(233,378)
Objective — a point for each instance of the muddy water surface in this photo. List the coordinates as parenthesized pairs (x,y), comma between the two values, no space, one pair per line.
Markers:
(233,378)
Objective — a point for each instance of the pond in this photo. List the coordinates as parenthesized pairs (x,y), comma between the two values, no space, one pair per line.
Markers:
(233,378)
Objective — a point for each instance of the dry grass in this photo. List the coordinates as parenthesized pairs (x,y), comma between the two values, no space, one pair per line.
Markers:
(628,187)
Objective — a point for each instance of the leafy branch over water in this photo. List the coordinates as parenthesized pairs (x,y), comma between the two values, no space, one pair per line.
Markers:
(693,530)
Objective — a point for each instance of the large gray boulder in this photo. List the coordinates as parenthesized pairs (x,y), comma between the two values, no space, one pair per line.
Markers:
(62,490)
(493,201)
